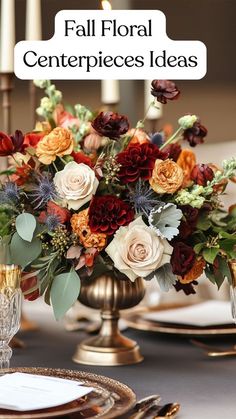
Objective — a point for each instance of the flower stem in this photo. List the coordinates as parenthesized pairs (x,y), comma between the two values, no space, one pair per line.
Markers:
(172,138)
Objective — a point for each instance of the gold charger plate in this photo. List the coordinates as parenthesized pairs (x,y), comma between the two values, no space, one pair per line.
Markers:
(137,321)
(110,398)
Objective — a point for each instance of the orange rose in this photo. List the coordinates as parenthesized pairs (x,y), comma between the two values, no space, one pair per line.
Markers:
(79,224)
(58,142)
(194,272)
(167,176)
(138,136)
(187,161)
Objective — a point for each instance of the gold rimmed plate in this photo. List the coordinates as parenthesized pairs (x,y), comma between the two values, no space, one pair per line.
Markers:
(110,398)
(138,321)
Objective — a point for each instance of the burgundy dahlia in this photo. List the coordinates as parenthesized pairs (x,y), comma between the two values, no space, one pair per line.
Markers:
(182,258)
(11,144)
(138,161)
(173,150)
(111,125)
(107,213)
(195,135)
(201,174)
(164,90)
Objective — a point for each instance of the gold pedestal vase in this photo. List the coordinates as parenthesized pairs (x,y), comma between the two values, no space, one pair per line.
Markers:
(10,309)
(109,294)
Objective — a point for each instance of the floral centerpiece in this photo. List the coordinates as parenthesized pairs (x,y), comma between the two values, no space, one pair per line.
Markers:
(86,194)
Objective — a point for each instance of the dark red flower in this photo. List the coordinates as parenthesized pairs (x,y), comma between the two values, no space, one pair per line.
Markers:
(182,258)
(195,134)
(201,174)
(81,158)
(11,144)
(138,161)
(6,145)
(173,150)
(107,213)
(189,221)
(32,138)
(186,288)
(164,90)
(111,125)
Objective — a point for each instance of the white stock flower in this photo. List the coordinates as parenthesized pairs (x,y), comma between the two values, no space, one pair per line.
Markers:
(137,251)
(187,121)
(40,83)
(76,184)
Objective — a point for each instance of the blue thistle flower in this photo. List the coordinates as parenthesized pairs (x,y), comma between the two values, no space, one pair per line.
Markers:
(143,198)
(9,193)
(52,222)
(43,192)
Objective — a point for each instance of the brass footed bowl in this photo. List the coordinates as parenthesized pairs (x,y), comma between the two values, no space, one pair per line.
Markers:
(110,294)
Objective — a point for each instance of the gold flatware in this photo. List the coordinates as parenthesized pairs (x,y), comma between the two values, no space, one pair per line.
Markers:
(214,351)
(141,407)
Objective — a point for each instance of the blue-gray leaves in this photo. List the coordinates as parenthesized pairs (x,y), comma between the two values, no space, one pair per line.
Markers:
(165,277)
(165,220)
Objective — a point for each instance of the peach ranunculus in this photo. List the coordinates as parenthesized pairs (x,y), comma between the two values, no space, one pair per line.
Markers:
(194,273)
(138,136)
(65,119)
(167,177)
(187,161)
(76,184)
(58,142)
(137,251)
(79,224)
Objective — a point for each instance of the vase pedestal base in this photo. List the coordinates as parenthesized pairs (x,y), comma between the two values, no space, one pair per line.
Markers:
(104,351)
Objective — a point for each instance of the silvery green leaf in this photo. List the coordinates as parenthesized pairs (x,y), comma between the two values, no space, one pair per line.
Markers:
(24,252)
(165,277)
(64,292)
(165,220)
(25,226)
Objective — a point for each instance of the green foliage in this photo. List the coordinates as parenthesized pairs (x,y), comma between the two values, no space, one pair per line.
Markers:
(203,222)
(25,226)
(64,292)
(5,220)
(210,254)
(23,252)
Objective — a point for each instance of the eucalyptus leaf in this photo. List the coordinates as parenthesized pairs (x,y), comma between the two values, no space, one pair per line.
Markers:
(25,226)
(165,277)
(23,252)
(64,292)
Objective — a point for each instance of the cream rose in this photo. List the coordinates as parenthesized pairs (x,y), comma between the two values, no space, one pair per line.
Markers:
(136,250)
(76,184)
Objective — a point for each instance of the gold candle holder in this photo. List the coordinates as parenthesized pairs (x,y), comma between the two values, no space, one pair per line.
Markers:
(10,309)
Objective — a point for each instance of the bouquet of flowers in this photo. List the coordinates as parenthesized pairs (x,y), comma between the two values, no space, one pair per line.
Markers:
(85,194)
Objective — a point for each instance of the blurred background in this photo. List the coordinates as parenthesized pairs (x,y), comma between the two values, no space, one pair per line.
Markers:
(213,98)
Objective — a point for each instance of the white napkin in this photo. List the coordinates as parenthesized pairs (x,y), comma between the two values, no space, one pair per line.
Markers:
(22,392)
(209,313)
